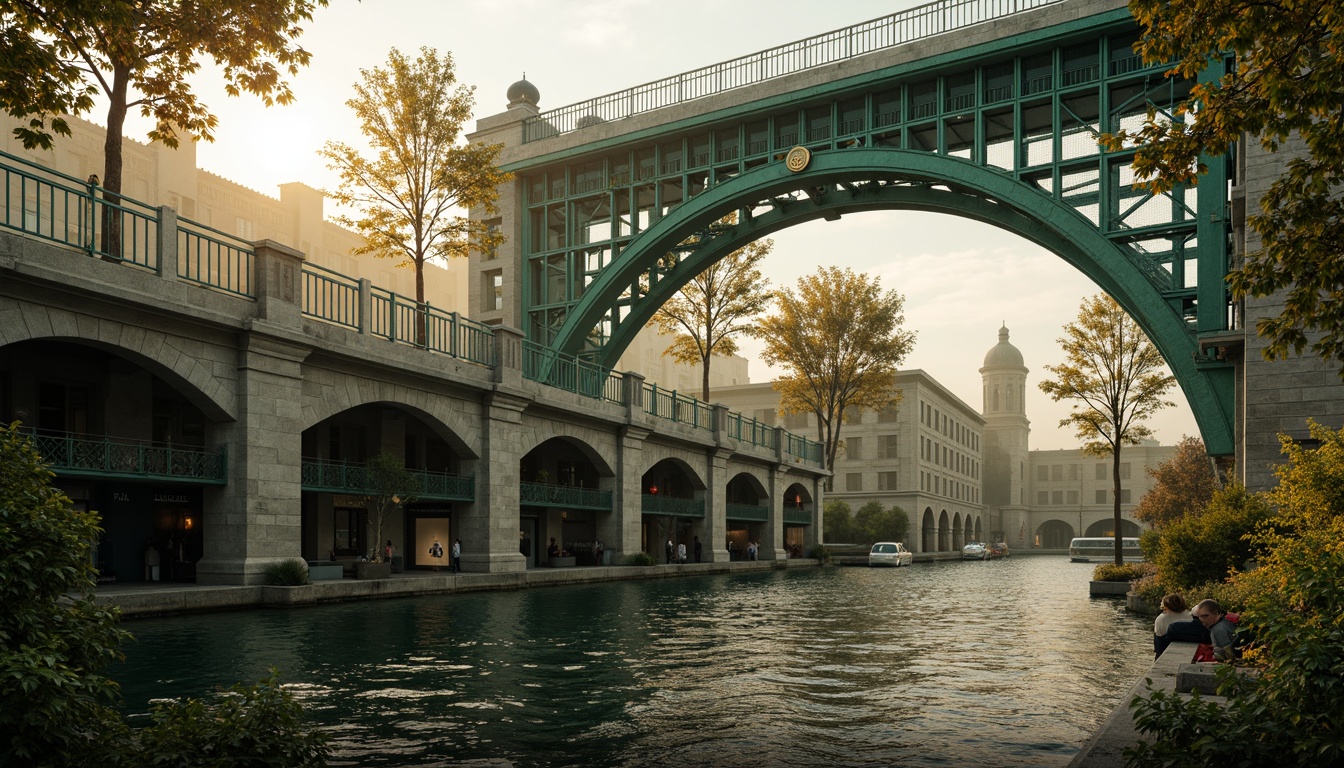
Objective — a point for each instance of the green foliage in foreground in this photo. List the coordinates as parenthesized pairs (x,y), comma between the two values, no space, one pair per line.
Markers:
(1293,608)
(872,522)
(57,705)
(640,558)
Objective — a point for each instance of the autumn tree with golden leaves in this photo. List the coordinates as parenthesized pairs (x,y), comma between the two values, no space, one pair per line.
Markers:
(839,340)
(412,192)
(1116,378)
(717,305)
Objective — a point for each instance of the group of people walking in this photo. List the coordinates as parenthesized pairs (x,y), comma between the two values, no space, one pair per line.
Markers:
(679,550)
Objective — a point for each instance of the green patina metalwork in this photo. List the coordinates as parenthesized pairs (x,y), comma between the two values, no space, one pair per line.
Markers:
(667,506)
(105,457)
(564,497)
(1002,132)
(794,516)
(748,512)
(322,476)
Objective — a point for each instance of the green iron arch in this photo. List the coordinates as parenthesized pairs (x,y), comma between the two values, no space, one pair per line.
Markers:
(856,180)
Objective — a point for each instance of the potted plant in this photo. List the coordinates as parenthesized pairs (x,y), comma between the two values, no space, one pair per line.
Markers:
(391,487)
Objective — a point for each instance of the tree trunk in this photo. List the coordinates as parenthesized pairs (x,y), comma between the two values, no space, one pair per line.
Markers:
(1115,477)
(116,122)
(421,310)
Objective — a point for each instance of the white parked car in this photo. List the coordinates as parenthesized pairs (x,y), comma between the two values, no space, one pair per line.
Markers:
(891,553)
(975,551)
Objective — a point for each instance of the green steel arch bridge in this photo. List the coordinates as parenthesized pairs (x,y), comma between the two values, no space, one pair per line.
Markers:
(985,109)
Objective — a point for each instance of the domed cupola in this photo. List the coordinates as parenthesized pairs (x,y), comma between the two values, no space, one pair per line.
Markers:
(523,92)
(1003,353)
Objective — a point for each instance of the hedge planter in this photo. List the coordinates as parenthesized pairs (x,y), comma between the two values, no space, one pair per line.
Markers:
(1108,588)
(367,570)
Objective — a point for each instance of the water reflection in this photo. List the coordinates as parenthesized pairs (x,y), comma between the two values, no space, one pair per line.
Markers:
(980,663)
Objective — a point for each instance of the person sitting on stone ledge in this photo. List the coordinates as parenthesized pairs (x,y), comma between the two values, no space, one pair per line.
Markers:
(1174,610)
(1222,629)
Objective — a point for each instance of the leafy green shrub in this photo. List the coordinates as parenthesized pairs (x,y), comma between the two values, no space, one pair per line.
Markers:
(287,573)
(1289,714)
(55,641)
(1206,548)
(640,558)
(250,725)
(820,552)
(1122,572)
(56,703)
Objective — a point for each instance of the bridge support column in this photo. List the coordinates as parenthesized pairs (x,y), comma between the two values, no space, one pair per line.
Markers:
(256,519)
(490,526)
(627,496)
(713,527)
(772,537)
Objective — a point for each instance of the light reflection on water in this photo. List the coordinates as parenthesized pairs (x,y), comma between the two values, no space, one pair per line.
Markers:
(978,663)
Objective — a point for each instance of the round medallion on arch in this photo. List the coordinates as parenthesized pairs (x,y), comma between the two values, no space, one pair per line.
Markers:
(797,159)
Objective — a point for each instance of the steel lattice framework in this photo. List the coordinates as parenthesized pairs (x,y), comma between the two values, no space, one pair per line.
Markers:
(1004,132)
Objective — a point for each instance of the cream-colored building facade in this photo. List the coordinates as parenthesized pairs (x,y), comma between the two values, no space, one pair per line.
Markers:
(963,474)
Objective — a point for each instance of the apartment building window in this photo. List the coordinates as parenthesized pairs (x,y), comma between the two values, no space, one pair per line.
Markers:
(1101,471)
(854,481)
(1073,497)
(1057,472)
(1042,472)
(887,446)
(1124,471)
(853,447)
(888,415)
(1101,497)
(795,420)
(1073,471)
(1042,498)
(1057,498)
(494,288)
(888,481)
(1124,495)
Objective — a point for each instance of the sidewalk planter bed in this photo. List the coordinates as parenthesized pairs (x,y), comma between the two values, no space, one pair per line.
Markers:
(323,570)
(367,570)
(562,562)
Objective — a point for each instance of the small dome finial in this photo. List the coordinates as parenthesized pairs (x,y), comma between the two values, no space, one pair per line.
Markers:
(523,92)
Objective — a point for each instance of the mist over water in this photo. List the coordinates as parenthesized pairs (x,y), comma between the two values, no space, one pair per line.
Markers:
(1001,663)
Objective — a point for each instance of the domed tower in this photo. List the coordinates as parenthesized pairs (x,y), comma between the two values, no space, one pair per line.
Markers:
(1006,429)
(523,92)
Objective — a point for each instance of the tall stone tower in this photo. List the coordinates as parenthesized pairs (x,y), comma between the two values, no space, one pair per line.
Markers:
(1005,442)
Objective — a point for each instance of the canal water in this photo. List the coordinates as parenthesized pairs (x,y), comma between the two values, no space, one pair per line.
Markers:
(1000,663)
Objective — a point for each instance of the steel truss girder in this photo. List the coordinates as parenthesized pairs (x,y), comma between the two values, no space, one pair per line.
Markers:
(913,180)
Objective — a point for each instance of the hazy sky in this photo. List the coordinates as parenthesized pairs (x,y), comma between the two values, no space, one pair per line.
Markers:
(961,279)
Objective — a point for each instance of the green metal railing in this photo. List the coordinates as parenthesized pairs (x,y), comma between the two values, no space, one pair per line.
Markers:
(405,321)
(795,516)
(89,456)
(571,374)
(330,296)
(668,506)
(546,495)
(676,407)
(856,40)
(751,431)
(54,206)
(802,448)
(215,259)
(748,512)
(325,476)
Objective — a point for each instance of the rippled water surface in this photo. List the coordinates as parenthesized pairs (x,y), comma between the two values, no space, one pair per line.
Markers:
(977,663)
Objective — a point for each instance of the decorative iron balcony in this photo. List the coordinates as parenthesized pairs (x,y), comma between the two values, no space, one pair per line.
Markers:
(672,507)
(748,512)
(91,456)
(795,516)
(324,476)
(546,495)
